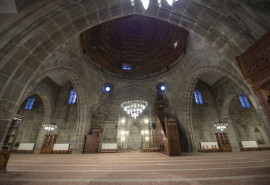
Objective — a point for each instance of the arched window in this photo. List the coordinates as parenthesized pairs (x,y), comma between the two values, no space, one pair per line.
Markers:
(30,102)
(72,97)
(198,97)
(244,101)
(126,67)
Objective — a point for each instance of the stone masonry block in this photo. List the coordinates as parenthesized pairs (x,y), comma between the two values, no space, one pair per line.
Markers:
(208,17)
(164,14)
(180,6)
(115,2)
(89,6)
(101,3)
(210,37)
(60,18)
(175,18)
(186,24)
(74,11)
(32,62)
(222,24)
(9,67)
(194,9)
(7,95)
(3,80)
(69,30)
(49,26)
(18,77)
(48,45)
(41,53)
(104,14)
(31,44)
(21,53)
(81,24)
(220,42)
(40,35)
(116,10)
(127,8)
(58,38)
(221,7)
(93,19)
(197,29)
(243,40)
(152,11)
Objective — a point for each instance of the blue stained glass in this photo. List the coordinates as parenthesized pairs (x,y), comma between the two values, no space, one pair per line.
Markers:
(198,97)
(30,103)
(126,67)
(244,101)
(72,97)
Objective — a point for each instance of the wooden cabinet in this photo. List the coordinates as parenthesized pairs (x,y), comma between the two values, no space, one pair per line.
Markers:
(9,141)
(91,144)
(48,143)
(223,142)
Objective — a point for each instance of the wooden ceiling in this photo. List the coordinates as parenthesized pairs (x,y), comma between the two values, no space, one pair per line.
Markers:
(144,43)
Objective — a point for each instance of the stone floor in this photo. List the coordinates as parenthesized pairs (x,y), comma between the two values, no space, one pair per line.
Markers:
(133,168)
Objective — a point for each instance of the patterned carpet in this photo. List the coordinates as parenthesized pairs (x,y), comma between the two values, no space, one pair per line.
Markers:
(134,168)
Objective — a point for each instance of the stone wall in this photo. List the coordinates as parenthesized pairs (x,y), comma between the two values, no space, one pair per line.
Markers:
(66,117)
(204,116)
(35,44)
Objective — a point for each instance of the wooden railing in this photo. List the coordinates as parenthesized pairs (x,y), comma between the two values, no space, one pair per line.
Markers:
(255,67)
(167,132)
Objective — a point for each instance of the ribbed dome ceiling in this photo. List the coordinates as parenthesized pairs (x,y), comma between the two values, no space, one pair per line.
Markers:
(144,43)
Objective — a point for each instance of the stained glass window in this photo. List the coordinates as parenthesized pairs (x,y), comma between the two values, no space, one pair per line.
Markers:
(198,97)
(72,97)
(30,103)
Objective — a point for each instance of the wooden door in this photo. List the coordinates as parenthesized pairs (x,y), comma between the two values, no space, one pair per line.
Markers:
(48,144)
(223,142)
(91,144)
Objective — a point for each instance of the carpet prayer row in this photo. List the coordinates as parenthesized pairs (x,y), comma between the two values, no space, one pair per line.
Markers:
(136,168)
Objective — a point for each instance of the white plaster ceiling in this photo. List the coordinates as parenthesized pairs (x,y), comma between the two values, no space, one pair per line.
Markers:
(210,77)
(59,78)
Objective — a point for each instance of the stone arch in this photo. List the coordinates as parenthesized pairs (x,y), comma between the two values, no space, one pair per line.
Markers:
(74,73)
(75,22)
(47,116)
(56,25)
(187,103)
(48,108)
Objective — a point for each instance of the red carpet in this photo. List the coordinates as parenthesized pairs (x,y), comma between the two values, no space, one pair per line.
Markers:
(138,168)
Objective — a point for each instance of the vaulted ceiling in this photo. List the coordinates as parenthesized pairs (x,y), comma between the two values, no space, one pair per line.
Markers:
(147,45)
(122,33)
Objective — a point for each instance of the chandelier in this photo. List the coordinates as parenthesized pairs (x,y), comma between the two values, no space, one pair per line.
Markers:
(50,126)
(221,126)
(134,107)
(146,3)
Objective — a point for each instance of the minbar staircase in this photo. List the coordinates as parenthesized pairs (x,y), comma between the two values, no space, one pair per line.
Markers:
(167,131)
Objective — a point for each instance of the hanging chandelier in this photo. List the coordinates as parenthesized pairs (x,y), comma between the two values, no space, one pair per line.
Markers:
(50,126)
(134,107)
(146,3)
(221,126)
